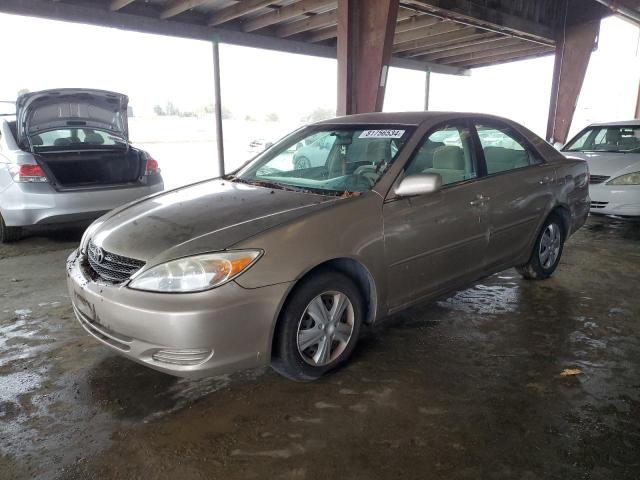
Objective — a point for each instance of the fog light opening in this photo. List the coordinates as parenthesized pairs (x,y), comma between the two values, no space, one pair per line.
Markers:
(185,357)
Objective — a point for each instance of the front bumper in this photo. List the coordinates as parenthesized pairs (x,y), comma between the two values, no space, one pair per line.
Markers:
(621,200)
(39,204)
(233,324)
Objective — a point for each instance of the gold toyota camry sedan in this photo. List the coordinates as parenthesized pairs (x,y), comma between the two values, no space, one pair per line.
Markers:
(283,261)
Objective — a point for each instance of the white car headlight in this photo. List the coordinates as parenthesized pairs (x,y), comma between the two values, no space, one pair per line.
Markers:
(195,274)
(628,179)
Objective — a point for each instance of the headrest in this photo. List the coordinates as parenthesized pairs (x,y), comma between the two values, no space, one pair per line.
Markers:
(36,140)
(448,157)
(58,142)
(378,150)
(94,139)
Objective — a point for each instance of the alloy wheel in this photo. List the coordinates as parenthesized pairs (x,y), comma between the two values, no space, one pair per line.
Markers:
(325,328)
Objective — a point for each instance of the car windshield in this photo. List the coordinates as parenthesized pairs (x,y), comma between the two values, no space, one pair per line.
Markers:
(75,137)
(328,160)
(613,138)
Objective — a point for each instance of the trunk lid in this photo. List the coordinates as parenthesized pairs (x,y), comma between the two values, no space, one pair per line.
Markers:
(38,112)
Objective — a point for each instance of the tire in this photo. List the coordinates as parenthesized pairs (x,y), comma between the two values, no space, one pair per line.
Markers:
(546,251)
(9,234)
(301,163)
(300,347)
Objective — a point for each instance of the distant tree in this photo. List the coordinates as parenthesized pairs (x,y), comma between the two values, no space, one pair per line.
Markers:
(157,109)
(249,118)
(23,91)
(171,109)
(209,108)
(319,114)
(272,117)
(226,113)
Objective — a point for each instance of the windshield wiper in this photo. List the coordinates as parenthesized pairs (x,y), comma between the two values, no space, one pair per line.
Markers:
(262,183)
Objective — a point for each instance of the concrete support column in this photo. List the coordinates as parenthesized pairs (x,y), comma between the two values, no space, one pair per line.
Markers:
(573,51)
(637,116)
(365,38)
(218,106)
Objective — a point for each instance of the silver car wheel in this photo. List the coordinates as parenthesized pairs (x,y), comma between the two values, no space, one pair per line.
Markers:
(325,328)
(549,245)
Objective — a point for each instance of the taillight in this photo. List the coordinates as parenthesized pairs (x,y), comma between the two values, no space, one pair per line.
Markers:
(152,167)
(28,174)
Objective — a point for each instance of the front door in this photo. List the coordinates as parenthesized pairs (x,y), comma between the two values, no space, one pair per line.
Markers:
(435,241)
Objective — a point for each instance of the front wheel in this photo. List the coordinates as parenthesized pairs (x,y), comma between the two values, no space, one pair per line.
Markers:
(319,327)
(9,234)
(546,251)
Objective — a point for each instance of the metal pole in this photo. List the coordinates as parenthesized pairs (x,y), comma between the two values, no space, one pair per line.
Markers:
(218,105)
(427,86)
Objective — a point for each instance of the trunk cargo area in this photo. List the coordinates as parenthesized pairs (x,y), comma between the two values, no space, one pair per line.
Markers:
(87,169)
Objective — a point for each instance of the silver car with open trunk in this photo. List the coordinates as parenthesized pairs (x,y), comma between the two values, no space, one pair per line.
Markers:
(66,158)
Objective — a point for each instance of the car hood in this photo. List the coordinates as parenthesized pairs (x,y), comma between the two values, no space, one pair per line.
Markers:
(204,217)
(38,112)
(609,164)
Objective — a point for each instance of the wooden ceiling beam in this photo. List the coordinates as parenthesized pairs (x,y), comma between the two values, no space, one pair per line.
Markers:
(236,11)
(287,12)
(444,46)
(116,5)
(498,53)
(420,33)
(415,21)
(474,48)
(176,7)
(534,52)
(424,42)
(320,20)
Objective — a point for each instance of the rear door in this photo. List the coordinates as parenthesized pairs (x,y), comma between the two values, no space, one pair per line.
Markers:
(516,187)
(435,241)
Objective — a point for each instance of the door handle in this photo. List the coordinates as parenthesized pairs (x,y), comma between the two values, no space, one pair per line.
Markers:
(480,200)
(546,179)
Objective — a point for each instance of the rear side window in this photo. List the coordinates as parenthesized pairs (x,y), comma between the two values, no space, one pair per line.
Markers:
(447,151)
(502,151)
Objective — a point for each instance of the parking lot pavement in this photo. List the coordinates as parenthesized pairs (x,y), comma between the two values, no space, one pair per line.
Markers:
(506,379)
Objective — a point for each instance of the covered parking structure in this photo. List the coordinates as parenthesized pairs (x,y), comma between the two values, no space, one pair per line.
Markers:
(367,36)
(505,379)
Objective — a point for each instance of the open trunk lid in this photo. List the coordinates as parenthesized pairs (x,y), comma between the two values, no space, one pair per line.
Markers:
(38,112)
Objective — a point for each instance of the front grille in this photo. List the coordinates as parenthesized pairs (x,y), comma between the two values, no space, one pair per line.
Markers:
(598,204)
(112,268)
(595,179)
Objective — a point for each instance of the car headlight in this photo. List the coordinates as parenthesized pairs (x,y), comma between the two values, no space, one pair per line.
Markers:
(628,179)
(195,274)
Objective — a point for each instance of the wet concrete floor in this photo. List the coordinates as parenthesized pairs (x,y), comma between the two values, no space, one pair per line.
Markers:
(465,388)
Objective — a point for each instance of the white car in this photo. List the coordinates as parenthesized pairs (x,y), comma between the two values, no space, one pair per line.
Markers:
(612,151)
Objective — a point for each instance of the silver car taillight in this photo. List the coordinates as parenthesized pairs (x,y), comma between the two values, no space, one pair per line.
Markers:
(28,174)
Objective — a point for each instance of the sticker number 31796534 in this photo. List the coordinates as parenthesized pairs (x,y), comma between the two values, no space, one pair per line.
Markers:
(382,133)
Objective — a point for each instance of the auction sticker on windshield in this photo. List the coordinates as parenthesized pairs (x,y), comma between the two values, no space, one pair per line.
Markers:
(382,133)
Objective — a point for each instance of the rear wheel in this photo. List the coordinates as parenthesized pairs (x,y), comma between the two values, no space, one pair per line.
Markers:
(546,251)
(9,234)
(319,327)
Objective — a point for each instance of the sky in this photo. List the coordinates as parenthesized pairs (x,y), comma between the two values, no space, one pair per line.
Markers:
(154,69)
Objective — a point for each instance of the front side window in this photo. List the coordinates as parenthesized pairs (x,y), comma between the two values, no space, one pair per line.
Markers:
(614,139)
(447,151)
(502,152)
(328,160)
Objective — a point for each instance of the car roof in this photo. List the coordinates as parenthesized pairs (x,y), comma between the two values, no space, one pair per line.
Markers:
(633,123)
(403,118)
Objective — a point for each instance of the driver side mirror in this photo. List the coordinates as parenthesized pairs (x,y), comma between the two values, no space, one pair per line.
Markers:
(418,184)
